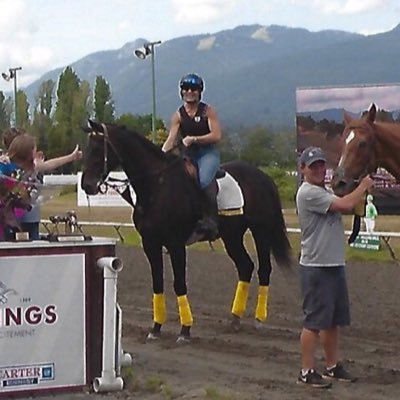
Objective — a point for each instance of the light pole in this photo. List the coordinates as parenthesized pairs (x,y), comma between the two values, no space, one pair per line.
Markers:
(142,53)
(13,75)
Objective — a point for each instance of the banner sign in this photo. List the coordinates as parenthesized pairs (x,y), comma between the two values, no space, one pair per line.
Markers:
(319,122)
(42,322)
(110,198)
(367,242)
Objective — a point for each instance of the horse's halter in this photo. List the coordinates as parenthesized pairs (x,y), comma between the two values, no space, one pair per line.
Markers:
(369,167)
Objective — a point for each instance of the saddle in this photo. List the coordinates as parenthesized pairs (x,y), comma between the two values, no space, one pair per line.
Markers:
(230,198)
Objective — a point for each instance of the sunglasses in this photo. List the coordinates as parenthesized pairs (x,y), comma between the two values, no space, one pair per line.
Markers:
(190,86)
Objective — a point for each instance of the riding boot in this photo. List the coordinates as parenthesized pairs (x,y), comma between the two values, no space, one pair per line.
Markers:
(207,227)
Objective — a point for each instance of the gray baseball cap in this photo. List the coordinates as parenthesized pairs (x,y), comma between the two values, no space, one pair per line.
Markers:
(312,154)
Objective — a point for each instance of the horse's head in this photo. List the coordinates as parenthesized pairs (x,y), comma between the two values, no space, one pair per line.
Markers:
(358,152)
(99,157)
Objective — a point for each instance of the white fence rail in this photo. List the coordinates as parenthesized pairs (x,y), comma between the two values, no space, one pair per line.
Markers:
(386,236)
(112,198)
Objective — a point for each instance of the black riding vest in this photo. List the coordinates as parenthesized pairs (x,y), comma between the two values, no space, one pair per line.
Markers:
(196,126)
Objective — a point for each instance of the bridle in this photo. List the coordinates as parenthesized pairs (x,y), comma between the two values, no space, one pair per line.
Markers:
(106,142)
(368,168)
(105,181)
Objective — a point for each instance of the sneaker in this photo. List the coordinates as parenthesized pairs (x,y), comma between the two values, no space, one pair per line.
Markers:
(314,379)
(338,373)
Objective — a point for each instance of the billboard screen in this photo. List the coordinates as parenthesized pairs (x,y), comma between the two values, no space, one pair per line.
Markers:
(319,122)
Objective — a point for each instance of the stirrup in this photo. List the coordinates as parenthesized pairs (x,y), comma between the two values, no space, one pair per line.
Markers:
(203,233)
(194,238)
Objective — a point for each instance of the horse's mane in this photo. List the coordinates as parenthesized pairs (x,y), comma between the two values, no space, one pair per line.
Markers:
(391,126)
(130,134)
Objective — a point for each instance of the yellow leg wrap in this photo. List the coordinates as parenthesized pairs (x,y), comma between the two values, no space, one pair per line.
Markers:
(184,311)
(159,308)
(240,300)
(262,303)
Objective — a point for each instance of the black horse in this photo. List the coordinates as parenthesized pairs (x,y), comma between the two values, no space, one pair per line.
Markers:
(166,212)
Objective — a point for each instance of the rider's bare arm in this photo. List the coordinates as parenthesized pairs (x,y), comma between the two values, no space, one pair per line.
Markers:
(173,132)
(215,135)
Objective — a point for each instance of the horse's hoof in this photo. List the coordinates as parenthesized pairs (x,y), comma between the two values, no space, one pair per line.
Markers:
(235,323)
(183,339)
(259,325)
(153,336)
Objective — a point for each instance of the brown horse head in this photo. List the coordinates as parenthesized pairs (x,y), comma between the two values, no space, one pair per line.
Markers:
(358,156)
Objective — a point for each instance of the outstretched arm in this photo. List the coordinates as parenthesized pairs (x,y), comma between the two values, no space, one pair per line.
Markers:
(49,165)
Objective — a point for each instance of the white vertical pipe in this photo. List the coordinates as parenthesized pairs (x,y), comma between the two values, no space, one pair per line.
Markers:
(109,381)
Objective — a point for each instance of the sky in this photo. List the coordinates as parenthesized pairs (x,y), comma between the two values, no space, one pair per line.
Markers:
(40,35)
(355,99)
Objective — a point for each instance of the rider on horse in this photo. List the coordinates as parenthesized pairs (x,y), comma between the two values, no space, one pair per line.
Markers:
(198,124)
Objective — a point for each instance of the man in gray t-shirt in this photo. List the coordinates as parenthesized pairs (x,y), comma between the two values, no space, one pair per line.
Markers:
(322,229)
(322,274)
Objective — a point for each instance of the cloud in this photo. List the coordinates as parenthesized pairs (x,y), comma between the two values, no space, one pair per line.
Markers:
(123,26)
(16,44)
(201,11)
(349,6)
(14,21)
(343,7)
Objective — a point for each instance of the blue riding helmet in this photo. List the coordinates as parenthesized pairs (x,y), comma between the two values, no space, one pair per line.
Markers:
(191,81)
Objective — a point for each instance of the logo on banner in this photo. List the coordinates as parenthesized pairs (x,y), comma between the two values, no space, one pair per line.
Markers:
(26,375)
(31,315)
(5,292)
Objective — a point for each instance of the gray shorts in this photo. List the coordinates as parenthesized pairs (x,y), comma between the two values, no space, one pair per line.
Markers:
(325,297)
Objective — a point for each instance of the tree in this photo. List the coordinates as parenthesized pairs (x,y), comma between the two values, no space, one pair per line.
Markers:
(68,87)
(5,112)
(82,109)
(44,98)
(42,121)
(103,103)
(284,145)
(22,111)
(72,111)
(139,123)
(259,149)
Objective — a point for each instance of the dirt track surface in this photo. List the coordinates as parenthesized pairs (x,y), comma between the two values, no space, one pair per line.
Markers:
(252,364)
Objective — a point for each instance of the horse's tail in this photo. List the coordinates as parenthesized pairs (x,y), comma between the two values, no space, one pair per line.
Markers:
(281,248)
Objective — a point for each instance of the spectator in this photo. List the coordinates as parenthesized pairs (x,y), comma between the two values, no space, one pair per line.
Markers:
(22,151)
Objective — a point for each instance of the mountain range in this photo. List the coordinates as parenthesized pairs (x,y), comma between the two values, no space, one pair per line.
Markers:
(251,72)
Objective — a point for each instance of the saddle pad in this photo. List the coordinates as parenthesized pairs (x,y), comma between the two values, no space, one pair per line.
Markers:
(230,196)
